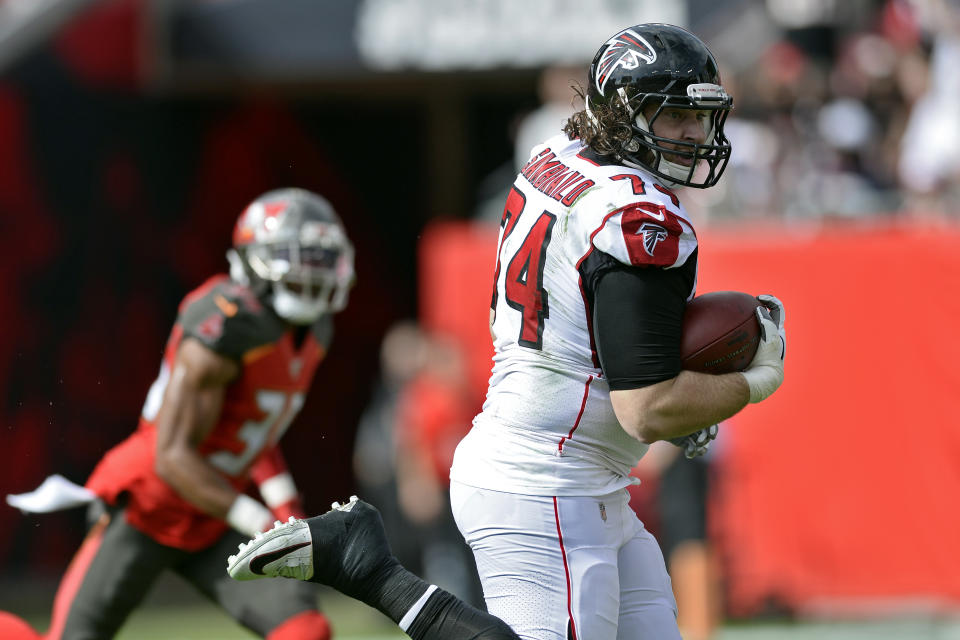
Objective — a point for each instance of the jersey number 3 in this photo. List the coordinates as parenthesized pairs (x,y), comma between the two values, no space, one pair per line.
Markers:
(523,283)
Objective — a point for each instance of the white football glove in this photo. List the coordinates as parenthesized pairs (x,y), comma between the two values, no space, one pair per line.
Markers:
(696,443)
(764,374)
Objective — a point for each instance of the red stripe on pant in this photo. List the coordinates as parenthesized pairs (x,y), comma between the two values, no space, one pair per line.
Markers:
(566,570)
(73,578)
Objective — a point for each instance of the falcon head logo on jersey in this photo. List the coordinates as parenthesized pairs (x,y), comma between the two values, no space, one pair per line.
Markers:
(626,49)
(652,234)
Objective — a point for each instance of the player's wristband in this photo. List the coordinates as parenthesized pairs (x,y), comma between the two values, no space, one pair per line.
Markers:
(278,490)
(248,516)
(763,380)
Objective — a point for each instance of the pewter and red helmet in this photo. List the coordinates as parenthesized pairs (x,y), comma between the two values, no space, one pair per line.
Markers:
(290,247)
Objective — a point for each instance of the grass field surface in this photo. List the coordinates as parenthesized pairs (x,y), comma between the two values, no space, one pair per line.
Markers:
(350,623)
(168,614)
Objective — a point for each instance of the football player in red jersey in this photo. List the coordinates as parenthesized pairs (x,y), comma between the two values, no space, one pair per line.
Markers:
(238,362)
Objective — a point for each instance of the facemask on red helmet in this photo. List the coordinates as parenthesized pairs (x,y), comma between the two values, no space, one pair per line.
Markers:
(290,247)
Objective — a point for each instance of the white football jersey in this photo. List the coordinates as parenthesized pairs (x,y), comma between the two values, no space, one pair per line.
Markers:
(547,426)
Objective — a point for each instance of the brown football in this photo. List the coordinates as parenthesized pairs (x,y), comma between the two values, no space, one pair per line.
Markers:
(720,332)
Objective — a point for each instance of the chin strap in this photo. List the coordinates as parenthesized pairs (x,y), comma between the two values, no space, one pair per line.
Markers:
(667,182)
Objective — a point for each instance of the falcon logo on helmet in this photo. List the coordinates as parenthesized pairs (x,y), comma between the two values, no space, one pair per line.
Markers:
(626,50)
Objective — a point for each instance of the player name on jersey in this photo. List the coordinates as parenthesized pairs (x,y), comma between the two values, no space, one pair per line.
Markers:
(555,179)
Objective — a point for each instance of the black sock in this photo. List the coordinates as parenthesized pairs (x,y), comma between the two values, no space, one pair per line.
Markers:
(446,617)
(394,592)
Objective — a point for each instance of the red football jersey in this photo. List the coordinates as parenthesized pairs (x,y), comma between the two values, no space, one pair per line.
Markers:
(258,407)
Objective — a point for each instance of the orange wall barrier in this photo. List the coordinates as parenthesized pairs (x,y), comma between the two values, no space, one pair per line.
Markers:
(842,492)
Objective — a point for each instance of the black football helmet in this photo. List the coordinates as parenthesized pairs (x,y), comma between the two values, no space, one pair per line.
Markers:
(290,247)
(666,66)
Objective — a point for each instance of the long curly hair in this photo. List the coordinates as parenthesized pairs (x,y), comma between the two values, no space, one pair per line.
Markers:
(606,129)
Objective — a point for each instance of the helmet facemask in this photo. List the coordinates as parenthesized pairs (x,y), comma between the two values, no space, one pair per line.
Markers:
(303,270)
(650,152)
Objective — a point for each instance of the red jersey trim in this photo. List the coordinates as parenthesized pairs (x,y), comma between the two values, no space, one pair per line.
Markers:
(576,423)
(586,159)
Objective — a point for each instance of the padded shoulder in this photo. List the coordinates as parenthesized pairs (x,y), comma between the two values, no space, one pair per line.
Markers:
(646,234)
(228,318)
(632,217)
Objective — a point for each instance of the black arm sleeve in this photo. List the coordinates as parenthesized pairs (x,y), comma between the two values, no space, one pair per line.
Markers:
(638,319)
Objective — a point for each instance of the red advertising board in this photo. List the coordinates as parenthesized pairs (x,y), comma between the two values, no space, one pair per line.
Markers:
(841,492)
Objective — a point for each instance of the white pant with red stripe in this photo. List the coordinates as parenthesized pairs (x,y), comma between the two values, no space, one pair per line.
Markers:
(567,568)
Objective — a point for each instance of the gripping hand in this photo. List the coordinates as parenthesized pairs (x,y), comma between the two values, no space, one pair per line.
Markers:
(764,374)
(696,443)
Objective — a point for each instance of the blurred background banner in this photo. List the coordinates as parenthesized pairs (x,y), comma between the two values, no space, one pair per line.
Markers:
(133,132)
(267,40)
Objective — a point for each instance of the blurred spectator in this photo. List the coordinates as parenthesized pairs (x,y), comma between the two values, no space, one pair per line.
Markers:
(837,121)
(672,500)
(531,128)
(435,411)
(402,357)
(405,442)
(556,105)
(929,166)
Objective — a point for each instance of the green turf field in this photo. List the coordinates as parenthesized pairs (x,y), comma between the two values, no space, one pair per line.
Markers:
(361,623)
(170,614)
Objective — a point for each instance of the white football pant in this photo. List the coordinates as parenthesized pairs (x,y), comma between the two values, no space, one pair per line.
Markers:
(549,564)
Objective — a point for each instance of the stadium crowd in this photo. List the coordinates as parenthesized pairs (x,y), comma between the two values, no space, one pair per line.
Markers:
(847,122)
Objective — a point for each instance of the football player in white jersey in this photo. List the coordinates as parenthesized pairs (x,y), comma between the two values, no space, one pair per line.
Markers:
(597,259)
(596,262)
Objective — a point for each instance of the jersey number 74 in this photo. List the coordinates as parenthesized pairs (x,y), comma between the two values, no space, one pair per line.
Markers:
(523,282)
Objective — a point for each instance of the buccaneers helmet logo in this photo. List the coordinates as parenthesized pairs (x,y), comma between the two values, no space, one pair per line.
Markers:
(626,50)
(652,235)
